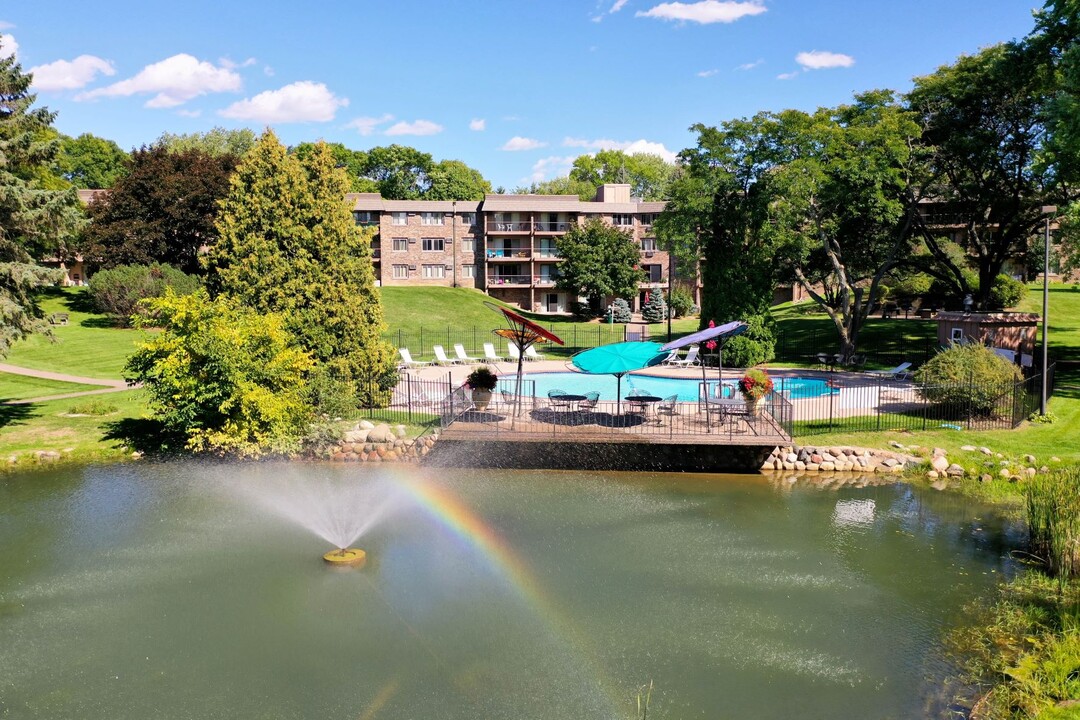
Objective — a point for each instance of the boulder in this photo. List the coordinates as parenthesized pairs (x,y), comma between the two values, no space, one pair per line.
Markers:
(380,434)
(986,477)
(365,425)
(400,431)
(986,451)
(1029,459)
(955,470)
(940,463)
(890,462)
(356,436)
(932,474)
(790,457)
(828,466)
(968,448)
(1030,472)
(940,485)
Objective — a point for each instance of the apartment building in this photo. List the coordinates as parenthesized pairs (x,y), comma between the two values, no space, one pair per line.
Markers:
(504,245)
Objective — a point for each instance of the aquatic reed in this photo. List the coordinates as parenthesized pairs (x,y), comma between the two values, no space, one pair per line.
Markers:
(1053,513)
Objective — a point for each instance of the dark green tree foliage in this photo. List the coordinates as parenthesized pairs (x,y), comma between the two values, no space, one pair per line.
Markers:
(620,311)
(352,161)
(682,301)
(655,309)
(33,219)
(224,378)
(288,244)
(163,210)
(560,186)
(967,379)
(647,175)
(599,261)
(117,292)
(91,162)
(399,172)
(216,141)
(454,180)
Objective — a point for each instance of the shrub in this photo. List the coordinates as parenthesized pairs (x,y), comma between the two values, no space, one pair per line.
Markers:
(966,379)
(330,395)
(755,346)
(92,407)
(1006,292)
(682,302)
(655,309)
(117,292)
(621,311)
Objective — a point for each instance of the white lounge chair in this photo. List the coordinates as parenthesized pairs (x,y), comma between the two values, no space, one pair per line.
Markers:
(407,361)
(459,350)
(672,356)
(513,351)
(440,356)
(489,353)
(531,354)
(897,373)
(691,358)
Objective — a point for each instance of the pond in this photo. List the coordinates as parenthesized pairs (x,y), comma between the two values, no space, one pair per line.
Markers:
(182,590)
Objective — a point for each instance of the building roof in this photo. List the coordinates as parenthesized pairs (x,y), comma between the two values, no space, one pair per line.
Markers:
(533,203)
(989,318)
(365,201)
(431,205)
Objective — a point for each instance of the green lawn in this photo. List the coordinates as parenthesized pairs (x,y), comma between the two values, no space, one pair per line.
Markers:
(87,346)
(20,387)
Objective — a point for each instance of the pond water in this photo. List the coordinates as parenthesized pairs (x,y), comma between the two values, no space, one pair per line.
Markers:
(175,591)
(687,389)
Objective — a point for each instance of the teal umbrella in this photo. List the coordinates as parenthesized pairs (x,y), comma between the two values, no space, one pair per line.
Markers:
(618,359)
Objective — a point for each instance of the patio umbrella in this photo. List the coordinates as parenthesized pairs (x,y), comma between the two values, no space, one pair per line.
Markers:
(618,359)
(524,333)
(719,335)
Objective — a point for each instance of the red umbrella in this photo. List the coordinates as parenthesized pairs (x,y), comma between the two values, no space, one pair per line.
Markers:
(524,333)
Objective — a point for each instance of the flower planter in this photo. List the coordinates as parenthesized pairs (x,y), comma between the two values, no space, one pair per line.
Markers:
(481,398)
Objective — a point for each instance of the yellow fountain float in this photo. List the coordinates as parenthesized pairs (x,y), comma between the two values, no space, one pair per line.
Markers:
(346,557)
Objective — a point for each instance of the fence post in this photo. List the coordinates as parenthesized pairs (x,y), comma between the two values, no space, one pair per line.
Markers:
(408,396)
(879,406)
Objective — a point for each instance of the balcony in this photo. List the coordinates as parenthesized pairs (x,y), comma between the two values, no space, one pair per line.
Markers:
(554,227)
(376,254)
(513,253)
(506,226)
(543,281)
(495,281)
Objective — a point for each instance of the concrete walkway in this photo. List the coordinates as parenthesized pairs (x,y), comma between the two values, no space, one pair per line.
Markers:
(109,386)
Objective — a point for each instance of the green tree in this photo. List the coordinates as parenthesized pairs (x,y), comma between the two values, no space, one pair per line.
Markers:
(599,261)
(352,161)
(648,175)
(398,171)
(560,186)
(118,292)
(88,161)
(215,141)
(288,244)
(655,309)
(454,180)
(163,210)
(226,378)
(33,218)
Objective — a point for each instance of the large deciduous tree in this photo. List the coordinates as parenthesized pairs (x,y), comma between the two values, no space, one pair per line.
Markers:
(215,141)
(454,180)
(288,244)
(88,161)
(647,175)
(33,218)
(599,261)
(163,210)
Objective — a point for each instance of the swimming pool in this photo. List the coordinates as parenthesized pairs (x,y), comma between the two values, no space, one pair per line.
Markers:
(794,388)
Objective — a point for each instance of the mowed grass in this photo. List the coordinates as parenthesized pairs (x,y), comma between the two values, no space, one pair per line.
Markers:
(88,346)
(21,387)
(49,426)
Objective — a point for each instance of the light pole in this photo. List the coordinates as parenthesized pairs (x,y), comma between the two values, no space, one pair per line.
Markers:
(1048,211)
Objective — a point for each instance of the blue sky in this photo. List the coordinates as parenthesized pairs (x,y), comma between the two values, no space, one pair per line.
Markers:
(514,89)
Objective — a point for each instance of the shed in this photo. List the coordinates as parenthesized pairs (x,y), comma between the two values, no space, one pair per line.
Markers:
(1013,331)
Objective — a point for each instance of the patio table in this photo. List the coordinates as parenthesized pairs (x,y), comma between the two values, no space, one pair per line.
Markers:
(647,401)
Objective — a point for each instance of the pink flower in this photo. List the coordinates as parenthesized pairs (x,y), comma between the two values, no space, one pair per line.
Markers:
(711,345)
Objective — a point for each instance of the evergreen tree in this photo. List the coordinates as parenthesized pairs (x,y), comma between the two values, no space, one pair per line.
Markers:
(655,309)
(288,244)
(620,311)
(33,218)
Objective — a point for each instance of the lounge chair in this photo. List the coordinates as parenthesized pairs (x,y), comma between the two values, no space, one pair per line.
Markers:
(459,350)
(691,358)
(489,353)
(408,362)
(531,354)
(900,372)
(672,356)
(440,357)
(513,351)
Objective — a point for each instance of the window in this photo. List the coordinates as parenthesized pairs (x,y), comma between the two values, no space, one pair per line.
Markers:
(434,271)
(468,245)
(468,271)
(468,218)
(401,272)
(433,244)
(957,335)
(647,218)
(431,218)
(364,217)
(401,244)
(399,218)
(655,273)
(648,244)
(622,220)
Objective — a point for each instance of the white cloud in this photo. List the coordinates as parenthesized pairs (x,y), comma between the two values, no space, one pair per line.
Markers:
(820,59)
(4,25)
(750,65)
(707,73)
(550,167)
(617,6)
(522,143)
(303,101)
(419,127)
(8,46)
(174,81)
(478,124)
(636,147)
(230,64)
(787,76)
(268,71)
(367,125)
(70,75)
(189,113)
(704,12)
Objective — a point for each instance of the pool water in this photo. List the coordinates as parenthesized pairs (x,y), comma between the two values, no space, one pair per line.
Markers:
(687,389)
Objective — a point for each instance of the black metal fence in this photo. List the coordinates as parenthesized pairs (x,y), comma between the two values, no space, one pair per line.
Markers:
(890,350)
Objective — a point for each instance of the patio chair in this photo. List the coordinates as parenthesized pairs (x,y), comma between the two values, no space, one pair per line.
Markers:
(513,351)
(634,407)
(592,399)
(513,403)
(672,356)
(489,353)
(669,407)
(459,350)
(441,358)
(691,358)
(900,372)
(408,362)
(531,354)
(557,403)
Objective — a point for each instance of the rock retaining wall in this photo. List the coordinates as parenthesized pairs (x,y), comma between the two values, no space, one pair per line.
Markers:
(368,442)
(811,459)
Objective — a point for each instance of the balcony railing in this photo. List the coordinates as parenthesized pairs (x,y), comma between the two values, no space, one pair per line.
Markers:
(543,281)
(507,226)
(513,280)
(509,254)
(554,227)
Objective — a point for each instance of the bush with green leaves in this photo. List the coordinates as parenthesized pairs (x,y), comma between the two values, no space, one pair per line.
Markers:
(620,311)
(967,380)
(1006,292)
(682,301)
(118,292)
(755,346)
(228,379)
(329,394)
(655,309)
